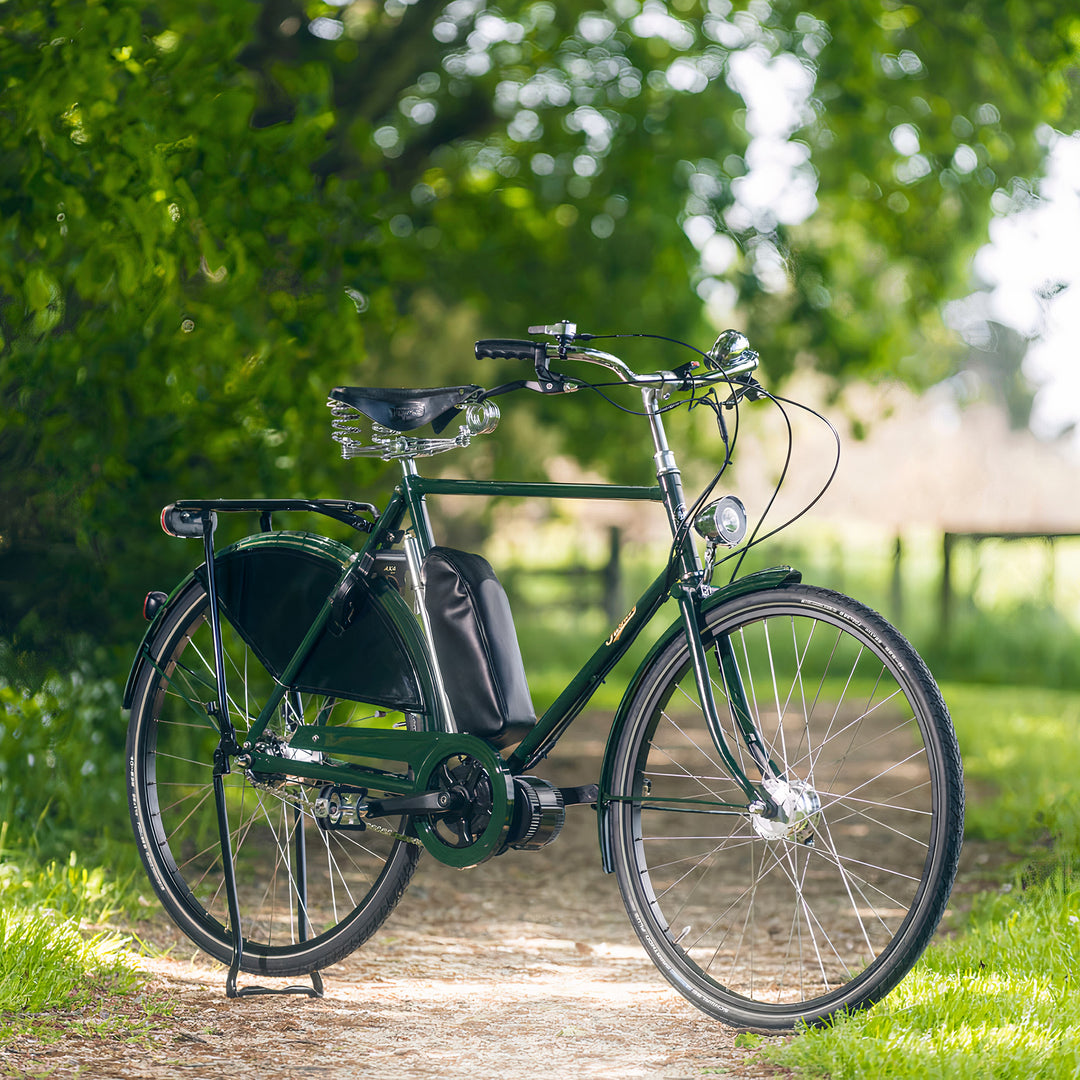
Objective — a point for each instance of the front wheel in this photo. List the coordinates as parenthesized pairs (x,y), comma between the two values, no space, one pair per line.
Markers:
(763,922)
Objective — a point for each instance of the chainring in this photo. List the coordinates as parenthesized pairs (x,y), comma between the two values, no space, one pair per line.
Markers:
(476,826)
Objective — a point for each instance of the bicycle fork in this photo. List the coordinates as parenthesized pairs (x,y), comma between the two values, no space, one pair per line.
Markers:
(759,798)
(783,807)
(689,592)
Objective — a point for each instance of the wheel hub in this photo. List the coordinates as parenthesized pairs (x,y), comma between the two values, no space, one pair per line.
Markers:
(798,806)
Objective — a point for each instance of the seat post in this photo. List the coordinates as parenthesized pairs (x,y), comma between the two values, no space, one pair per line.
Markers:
(416,547)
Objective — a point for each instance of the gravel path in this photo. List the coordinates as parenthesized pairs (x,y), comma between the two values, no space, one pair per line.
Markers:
(526,965)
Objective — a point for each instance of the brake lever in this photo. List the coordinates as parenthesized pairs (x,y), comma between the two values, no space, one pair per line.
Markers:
(745,386)
(551,384)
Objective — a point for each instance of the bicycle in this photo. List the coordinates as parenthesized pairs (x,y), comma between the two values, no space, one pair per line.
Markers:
(781,796)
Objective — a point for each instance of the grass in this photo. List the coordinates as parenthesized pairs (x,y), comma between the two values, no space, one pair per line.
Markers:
(58,955)
(999,999)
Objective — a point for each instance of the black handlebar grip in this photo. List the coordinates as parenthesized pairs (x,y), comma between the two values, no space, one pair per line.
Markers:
(509,349)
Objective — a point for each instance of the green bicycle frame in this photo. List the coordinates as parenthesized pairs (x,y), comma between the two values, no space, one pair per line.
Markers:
(409,498)
(410,750)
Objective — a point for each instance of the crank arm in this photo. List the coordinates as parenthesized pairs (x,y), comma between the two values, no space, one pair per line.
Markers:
(430,802)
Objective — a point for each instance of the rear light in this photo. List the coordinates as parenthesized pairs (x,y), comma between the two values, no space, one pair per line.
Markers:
(152,604)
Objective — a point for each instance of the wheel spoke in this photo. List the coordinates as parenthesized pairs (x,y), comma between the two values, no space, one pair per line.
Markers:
(351,880)
(775,918)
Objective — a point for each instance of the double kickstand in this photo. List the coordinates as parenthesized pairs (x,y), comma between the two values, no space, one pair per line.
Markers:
(315,990)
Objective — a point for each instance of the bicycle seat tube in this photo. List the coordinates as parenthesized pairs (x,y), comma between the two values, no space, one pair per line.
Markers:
(417,544)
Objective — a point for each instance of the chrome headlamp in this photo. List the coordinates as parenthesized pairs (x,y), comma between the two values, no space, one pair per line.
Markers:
(722,521)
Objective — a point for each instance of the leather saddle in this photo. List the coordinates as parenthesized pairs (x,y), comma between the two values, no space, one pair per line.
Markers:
(406,410)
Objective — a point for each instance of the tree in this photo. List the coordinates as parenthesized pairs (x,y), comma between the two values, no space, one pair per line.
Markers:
(213,212)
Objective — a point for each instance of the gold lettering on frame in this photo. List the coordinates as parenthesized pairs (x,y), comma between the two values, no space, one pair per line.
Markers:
(621,627)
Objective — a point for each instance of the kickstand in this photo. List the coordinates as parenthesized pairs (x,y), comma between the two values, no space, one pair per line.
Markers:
(315,990)
(218,712)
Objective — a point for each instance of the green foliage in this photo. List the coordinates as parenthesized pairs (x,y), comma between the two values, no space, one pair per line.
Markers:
(1027,644)
(60,752)
(209,214)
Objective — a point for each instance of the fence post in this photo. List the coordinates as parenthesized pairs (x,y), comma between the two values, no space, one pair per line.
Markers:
(947,541)
(613,576)
(896,590)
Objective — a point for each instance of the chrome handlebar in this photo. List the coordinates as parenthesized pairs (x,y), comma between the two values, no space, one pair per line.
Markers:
(729,358)
(741,365)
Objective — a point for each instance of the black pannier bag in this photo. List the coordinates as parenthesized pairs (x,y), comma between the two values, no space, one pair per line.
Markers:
(477,646)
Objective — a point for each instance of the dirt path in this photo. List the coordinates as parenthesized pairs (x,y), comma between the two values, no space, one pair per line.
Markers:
(525,966)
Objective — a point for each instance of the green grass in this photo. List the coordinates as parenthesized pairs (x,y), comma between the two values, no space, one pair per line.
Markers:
(1021,760)
(58,954)
(999,999)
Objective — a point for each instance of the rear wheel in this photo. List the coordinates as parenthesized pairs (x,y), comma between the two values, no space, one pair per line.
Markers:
(308,894)
(760,921)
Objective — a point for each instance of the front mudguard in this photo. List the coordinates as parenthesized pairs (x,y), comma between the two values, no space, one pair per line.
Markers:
(760,581)
(273,586)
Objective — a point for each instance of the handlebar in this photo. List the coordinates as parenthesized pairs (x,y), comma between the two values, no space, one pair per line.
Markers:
(510,349)
(720,369)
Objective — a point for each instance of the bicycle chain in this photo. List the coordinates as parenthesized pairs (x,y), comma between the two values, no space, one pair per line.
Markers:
(390,832)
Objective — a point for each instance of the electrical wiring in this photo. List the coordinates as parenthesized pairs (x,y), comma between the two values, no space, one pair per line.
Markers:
(754,540)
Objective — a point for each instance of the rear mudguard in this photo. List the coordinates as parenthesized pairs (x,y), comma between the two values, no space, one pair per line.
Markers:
(759,581)
(271,588)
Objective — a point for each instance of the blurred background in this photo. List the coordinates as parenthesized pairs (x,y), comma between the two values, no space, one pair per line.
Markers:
(210,214)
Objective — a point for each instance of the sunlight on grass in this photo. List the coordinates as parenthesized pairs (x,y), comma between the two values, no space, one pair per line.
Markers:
(1021,759)
(47,962)
(999,1000)
(56,951)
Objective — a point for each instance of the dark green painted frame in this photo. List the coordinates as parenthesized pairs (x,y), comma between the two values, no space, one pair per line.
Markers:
(412,750)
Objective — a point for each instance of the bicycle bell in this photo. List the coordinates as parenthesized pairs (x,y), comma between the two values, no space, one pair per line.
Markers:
(729,346)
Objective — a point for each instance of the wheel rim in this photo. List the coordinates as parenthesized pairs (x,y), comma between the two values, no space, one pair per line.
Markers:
(289,920)
(757,919)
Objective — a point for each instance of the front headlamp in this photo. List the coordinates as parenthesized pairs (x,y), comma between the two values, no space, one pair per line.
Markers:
(722,521)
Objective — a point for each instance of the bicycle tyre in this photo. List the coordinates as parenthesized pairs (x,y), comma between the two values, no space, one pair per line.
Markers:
(353,879)
(751,923)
